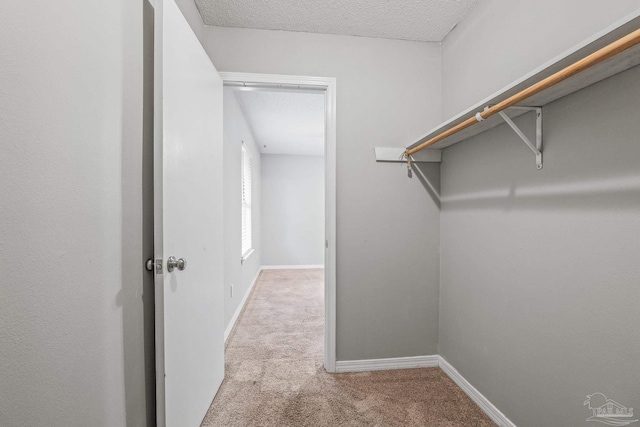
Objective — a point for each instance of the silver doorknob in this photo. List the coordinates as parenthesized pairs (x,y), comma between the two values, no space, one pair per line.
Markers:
(172,263)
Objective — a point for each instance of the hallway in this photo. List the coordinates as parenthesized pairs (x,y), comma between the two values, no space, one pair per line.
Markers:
(274,373)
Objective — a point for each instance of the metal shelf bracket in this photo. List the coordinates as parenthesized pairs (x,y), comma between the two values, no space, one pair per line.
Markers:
(537,147)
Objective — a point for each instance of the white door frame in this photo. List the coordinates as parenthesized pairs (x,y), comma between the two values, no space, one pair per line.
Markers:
(328,84)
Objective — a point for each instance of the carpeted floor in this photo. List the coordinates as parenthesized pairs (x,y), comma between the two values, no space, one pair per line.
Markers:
(274,373)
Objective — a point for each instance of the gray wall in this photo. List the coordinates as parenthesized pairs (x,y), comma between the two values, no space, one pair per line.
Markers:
(539,269)
(75,301)
(388,93)
(240,276)
(501,40)
(192,15)
(292,210)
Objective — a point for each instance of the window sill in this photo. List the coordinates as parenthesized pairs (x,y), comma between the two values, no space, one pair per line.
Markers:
(246,256)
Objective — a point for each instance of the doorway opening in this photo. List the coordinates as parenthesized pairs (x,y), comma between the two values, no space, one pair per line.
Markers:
(293,233)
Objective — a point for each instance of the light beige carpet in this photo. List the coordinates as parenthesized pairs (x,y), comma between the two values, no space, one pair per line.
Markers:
(274,373)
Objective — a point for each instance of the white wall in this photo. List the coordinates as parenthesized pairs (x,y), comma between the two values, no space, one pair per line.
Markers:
(539,269)
(240,276)
(74,297)
(292,210)
(388,94)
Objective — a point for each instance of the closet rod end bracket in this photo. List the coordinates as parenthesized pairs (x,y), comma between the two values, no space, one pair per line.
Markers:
(539,160)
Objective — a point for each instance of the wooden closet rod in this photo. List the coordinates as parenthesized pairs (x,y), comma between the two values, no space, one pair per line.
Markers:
(603,54)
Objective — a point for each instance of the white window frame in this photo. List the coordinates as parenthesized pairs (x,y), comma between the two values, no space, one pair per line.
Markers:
(246,196)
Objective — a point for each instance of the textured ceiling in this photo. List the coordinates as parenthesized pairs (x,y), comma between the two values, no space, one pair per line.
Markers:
(424,20)
(285,122)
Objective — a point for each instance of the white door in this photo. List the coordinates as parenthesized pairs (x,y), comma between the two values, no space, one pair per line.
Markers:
(188,222)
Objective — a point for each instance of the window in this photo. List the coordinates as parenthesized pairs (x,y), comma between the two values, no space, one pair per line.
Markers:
(246,202)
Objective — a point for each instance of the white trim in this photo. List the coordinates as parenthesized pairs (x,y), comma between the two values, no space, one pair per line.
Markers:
(328,84)
(290,267)
(275,79)
(330,229)
(234,319)
(433,361)
(246,255)
(479,399)
(246,177)
(388,364)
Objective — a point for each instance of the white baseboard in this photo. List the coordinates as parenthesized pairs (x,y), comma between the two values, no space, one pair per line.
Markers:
(366,365)
(290,267)
(484,403)
(234,319)
(428,362)
(387,364)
